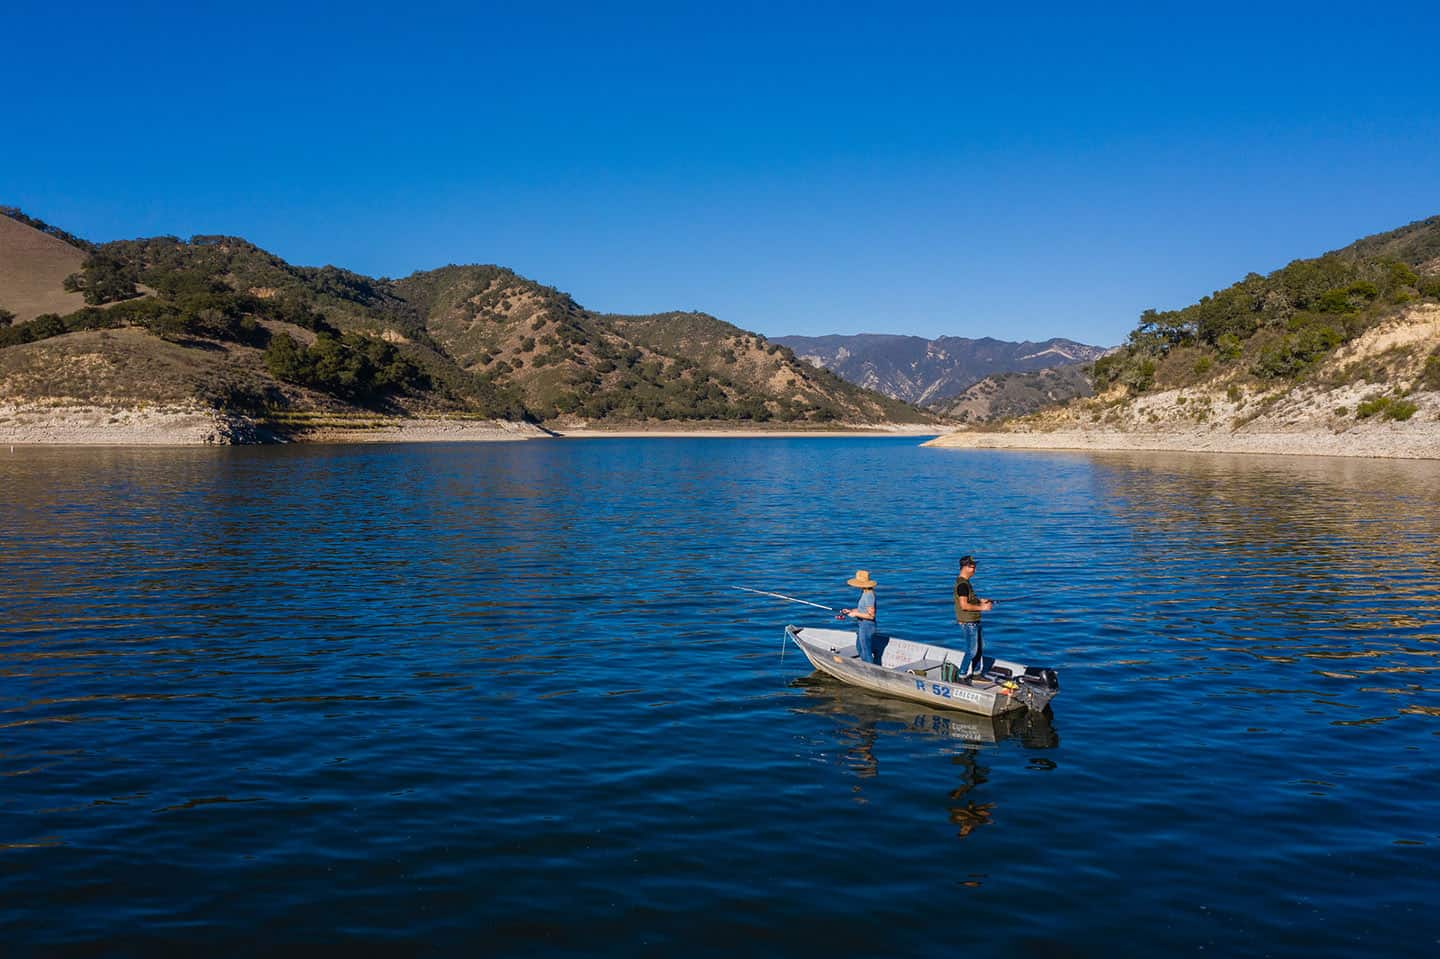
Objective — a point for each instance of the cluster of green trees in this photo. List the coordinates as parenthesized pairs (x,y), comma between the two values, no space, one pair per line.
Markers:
(175,268)
(357,368)
(203,290)
(210,316)
(1274,327)
(104,278)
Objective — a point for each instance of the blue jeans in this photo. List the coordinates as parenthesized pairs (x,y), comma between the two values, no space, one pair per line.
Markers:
(864,640)
(974,648)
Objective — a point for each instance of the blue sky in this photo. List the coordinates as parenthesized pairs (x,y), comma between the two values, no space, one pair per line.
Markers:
(937,169)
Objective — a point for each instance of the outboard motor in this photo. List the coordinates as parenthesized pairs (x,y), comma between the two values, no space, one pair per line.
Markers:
(1042,675)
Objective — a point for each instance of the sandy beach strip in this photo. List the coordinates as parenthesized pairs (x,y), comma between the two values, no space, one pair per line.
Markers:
(727,433)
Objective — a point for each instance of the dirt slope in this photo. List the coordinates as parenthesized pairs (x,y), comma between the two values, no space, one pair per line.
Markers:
(33,265)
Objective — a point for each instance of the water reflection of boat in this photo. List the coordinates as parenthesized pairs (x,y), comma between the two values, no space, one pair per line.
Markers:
(865,718)
(926,673)
(825,695)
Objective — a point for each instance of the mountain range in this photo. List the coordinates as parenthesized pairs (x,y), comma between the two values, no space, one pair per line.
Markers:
(927,372)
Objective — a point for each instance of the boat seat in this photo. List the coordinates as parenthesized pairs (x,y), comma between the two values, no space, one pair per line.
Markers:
(919,666)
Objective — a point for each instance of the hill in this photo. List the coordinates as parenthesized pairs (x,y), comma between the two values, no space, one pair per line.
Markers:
(1336,353)
(927,372)
(220,322)
(33,267)
(1006,395)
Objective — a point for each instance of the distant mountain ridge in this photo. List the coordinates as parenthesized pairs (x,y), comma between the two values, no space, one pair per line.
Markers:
(925,371)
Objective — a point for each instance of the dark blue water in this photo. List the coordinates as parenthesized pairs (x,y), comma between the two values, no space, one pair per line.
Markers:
(500,699)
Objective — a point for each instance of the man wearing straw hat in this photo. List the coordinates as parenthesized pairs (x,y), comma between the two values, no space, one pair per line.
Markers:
(864,616)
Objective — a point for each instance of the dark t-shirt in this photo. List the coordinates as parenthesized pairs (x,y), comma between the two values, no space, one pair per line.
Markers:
(964,589)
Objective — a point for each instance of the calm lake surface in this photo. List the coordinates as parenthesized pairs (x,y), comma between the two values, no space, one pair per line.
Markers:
(501,699)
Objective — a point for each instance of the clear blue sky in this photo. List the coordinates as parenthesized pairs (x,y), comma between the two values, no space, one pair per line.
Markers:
(938,169)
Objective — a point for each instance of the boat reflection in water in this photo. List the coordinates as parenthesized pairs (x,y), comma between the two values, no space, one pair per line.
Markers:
(863,717)
(828,696)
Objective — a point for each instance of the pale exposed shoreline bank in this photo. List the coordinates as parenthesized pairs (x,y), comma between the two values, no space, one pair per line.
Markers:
(38,424)
(1380,442)
(662,433)
(49,425)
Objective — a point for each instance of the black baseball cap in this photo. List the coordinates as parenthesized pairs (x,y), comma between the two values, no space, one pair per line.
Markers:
(967,560)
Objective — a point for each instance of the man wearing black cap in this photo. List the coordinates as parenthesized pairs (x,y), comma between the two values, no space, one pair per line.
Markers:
(968,608)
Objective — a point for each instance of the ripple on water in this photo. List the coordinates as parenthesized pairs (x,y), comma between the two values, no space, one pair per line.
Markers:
(504,696)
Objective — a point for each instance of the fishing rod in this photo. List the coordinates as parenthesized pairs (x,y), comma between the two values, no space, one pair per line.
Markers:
(784,597)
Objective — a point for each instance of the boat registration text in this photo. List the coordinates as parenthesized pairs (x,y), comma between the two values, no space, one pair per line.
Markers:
(948,692)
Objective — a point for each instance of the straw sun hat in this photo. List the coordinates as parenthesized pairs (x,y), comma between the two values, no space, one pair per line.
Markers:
(862,580)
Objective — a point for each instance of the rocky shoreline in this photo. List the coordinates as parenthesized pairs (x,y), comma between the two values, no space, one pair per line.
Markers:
(87,425)
(77,424)
(1380,443)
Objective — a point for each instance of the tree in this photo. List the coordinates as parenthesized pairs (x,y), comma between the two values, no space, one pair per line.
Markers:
(286,360)
(105,277)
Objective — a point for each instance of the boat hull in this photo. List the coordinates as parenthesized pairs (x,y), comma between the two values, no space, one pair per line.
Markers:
(913,671)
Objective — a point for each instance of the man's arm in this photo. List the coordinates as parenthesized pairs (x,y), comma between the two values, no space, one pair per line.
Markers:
(974,604)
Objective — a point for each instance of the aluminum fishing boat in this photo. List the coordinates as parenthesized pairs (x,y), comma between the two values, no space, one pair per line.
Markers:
(927,674)
(857,710)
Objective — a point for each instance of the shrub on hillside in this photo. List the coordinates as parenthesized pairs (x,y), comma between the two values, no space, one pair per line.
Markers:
(1430,373)
(1298,351)
(1387,407)
(1138,377)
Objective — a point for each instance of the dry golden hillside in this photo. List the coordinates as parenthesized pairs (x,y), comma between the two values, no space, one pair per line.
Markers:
(33,265)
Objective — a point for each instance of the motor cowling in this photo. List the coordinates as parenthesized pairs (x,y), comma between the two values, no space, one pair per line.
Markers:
(1043,676)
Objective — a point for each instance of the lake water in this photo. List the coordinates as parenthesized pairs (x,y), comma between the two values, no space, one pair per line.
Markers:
(501,699)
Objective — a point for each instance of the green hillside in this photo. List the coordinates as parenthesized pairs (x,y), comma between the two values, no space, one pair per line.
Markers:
(1279,328)
(566,361)
(260,335)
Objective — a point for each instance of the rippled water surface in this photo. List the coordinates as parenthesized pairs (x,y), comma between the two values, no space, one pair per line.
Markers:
(500,699)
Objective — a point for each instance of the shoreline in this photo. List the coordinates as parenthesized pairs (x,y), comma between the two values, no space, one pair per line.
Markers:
(188,425)
(81,424)
(1377,443)
(723,433)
